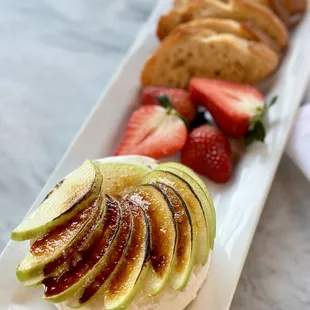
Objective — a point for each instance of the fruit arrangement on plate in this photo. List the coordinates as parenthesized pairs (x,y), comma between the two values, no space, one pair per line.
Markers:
(168,122)
(120,232)
(128,231)
(211,54)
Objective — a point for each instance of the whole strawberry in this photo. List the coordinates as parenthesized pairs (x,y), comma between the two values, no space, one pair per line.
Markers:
(207,151)
(180,99)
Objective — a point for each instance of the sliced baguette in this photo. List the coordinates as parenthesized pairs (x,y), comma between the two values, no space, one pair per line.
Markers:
(296,6)
(244,30)
(196,52)
(292,6)
(240,10)
(219,25)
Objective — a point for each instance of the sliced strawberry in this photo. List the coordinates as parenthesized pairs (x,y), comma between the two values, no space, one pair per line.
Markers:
(180,99)
(153,131)
(236,108)
(207,151)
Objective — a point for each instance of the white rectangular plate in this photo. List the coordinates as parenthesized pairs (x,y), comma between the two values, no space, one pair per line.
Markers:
(238,203)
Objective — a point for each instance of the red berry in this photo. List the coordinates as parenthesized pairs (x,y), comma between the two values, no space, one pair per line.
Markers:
(207,151)
(180,99)
(235,107)
(153,131)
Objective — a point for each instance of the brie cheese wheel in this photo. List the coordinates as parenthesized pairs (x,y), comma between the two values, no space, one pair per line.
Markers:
(168,299)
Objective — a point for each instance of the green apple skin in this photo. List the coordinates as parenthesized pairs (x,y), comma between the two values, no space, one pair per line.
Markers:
(194,206)
(136,265)
(200,182)
(118,175)
(185,252)
(109,231)
(163,233)
(34,267)
(200,193)
(73,195)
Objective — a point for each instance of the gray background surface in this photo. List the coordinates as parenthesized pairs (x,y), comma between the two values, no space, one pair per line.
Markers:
(55,59)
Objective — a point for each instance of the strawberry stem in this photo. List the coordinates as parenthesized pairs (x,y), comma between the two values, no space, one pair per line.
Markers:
(257,130)
(272,101)
(165,102)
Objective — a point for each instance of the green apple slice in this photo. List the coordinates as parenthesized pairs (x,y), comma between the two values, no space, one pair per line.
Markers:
(117,253)
(71,196)
(194,206)
(33,282)
(185,251)
(130,275)
(58,289)
(118,175)
(54,248)
(82,242)
(210,218)
(163,233)
(199,181)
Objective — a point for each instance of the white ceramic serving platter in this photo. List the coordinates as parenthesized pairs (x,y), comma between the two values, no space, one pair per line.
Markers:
(238,203)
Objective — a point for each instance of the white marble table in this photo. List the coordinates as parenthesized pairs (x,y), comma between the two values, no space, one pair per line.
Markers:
(55,58)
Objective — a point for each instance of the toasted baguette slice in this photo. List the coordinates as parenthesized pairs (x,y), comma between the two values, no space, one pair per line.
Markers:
(195,52)
(220,25)
(240,10)
(296,6)
(292,6)
(278,7)
(286,9)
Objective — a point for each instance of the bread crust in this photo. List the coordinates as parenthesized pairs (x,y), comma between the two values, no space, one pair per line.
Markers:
(195,52)
(239,10)
(220,25)
(292,6)
(243,30)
